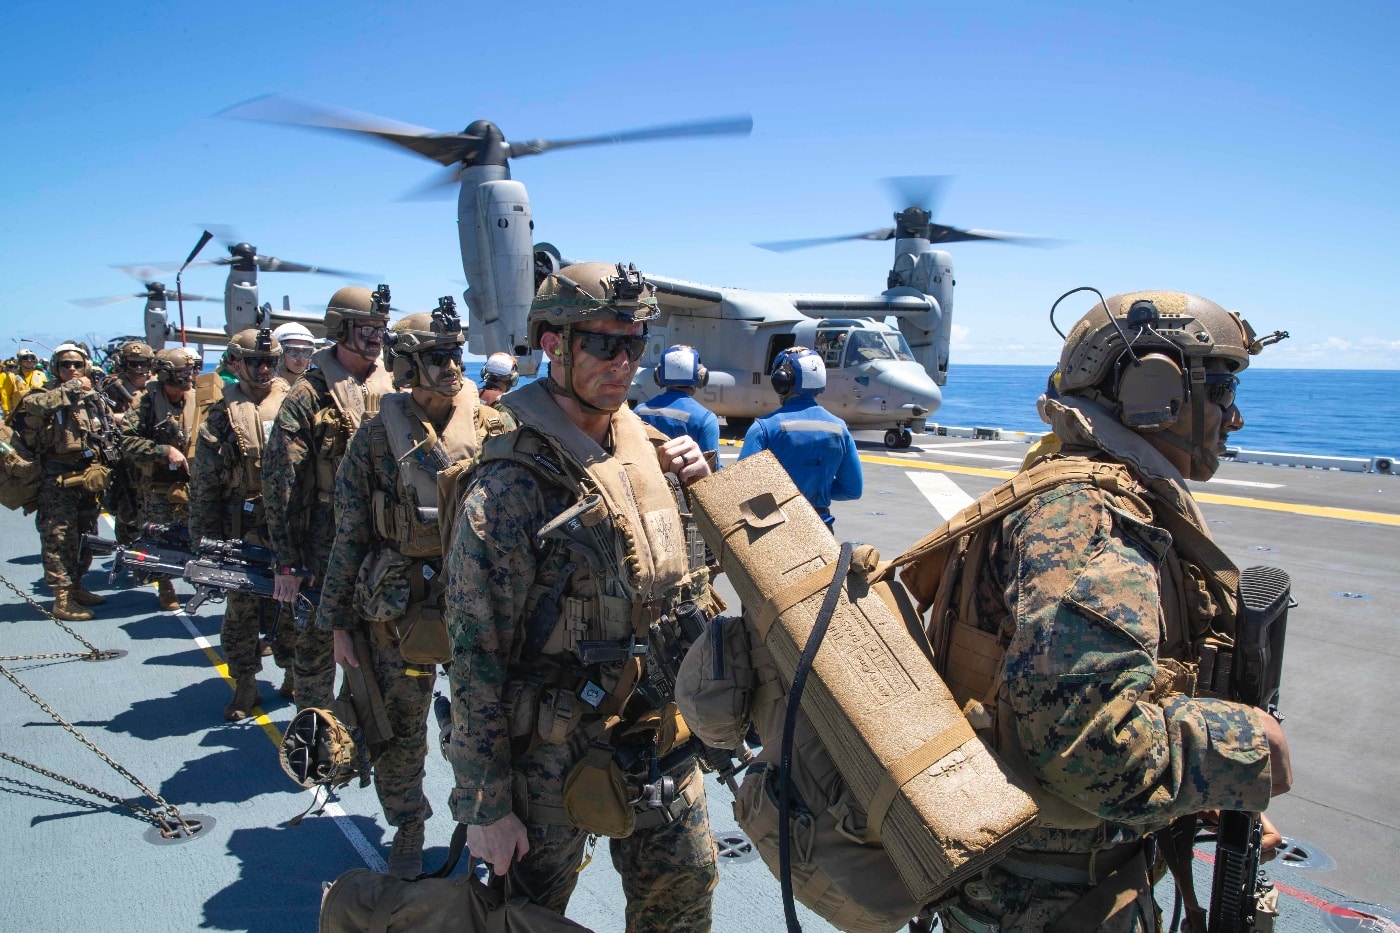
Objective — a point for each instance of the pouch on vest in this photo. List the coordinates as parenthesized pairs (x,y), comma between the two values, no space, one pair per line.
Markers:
(595,795)
(422,634)
(19,478)
(381,586)
(559,712)
(714,683)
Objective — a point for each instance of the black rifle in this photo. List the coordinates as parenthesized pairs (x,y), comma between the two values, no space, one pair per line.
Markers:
(1256,671)
(214,568)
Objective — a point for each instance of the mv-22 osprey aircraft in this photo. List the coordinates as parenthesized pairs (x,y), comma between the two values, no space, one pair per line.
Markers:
(879,376)
(241,308)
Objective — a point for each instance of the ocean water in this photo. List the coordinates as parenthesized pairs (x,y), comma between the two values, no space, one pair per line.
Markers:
(1332,412)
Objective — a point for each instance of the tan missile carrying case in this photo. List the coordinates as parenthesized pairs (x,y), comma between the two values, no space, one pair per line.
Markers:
(934,794)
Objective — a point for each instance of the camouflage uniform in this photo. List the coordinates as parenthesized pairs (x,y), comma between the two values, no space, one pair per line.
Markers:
(61,429)
(121,498)
(307,443)
(1086,594)
(369,468)
(145,442)
(668,870)
(222,489)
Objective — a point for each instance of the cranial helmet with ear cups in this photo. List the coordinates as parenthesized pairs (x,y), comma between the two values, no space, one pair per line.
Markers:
(680,366)
(798,371)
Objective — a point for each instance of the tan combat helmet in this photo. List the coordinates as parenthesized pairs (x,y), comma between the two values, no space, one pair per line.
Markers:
(587,291)
(1143,355)
(135,356)
(422,334)
(251,345)
(177,366)
(355,304)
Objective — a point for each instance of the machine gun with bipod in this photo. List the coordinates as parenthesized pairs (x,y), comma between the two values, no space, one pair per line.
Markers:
(214,568)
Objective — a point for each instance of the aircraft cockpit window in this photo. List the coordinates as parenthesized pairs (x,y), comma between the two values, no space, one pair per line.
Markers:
(867,346)
(830,344)
(899,346)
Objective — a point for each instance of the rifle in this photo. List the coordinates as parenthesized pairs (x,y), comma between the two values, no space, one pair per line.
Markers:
(212,567)
(1238,886)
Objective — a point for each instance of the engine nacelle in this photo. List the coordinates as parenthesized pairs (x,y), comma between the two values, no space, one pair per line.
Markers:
(156,322)
(241,301)
(928,272)
(498,257)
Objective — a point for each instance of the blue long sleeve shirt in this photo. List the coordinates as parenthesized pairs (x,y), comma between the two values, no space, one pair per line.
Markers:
(674,412)
(815,448)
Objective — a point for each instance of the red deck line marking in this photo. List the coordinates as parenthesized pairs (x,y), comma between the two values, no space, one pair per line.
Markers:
(1312,900)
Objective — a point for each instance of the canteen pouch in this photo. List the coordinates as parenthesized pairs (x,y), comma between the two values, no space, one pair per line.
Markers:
(559,712)
(595,795)
(381,586)
(423,634)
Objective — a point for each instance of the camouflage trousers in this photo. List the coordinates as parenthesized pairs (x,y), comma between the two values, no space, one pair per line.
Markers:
(123,502)
(160,508)
(398,771)
(238,635)
(668,871)
(64,516)
(1002,901)
(314,668)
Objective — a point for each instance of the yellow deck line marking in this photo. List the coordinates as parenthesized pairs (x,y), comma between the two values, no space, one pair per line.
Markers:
(1243,502)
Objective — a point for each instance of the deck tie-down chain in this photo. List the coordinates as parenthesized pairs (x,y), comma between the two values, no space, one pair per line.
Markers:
(93,653)
(164,816)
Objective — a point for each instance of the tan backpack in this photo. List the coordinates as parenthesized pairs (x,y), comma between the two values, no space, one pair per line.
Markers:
(19,478)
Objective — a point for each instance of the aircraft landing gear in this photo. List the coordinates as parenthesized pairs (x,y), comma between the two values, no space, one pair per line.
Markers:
(898,438)
(737,427)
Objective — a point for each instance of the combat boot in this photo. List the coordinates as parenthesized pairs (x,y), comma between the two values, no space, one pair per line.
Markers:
(169,602)
(67,609)
(245,699)
(288,689)
(406,857)
(86,598)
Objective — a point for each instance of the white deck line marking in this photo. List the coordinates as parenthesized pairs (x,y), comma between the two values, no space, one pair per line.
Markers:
(373,860)
(946,496)
(968,444)
(938,451)
(1217,481)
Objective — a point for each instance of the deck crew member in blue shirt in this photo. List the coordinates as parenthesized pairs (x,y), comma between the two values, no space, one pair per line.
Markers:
(675,412)
(811,443)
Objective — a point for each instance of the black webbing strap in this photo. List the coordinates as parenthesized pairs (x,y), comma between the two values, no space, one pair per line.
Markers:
(799,681)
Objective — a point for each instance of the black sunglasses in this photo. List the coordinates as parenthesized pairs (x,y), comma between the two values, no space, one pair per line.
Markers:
(1220,388)
(253,362)
(607,346)
(443,357)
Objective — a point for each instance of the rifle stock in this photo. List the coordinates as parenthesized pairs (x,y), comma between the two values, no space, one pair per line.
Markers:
(1237,885)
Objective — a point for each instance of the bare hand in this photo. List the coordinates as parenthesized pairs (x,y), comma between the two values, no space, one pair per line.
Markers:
(499,843)
(344,647)
(682,456)
(286,586)
(1270,841)
(175,459)
(1280,768)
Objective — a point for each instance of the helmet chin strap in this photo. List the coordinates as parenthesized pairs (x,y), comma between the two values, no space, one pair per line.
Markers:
(1204,461)
(566,389)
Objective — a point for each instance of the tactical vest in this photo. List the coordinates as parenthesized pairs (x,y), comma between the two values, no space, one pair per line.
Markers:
(251,424)
(649,570)
(410,520)
(351,401)
(165,424)
(69,436)
(1197,595)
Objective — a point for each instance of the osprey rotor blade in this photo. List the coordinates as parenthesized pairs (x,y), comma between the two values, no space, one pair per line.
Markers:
(446,148)
(787,246)
(924,191)
(440,184)
(724,126)
(938,233)
(273,264)
(99,302)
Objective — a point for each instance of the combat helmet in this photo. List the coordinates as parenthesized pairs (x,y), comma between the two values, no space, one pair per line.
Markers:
(255,344)
(680,367)
(582,292)
(419,334)
(1143,355)
(134,356)
(798,371)
(357,304)
(177,366)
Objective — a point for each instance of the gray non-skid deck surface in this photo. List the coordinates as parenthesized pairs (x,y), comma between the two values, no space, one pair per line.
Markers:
(68,866)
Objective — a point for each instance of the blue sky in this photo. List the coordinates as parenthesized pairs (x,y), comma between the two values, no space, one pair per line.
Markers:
(1247,152)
